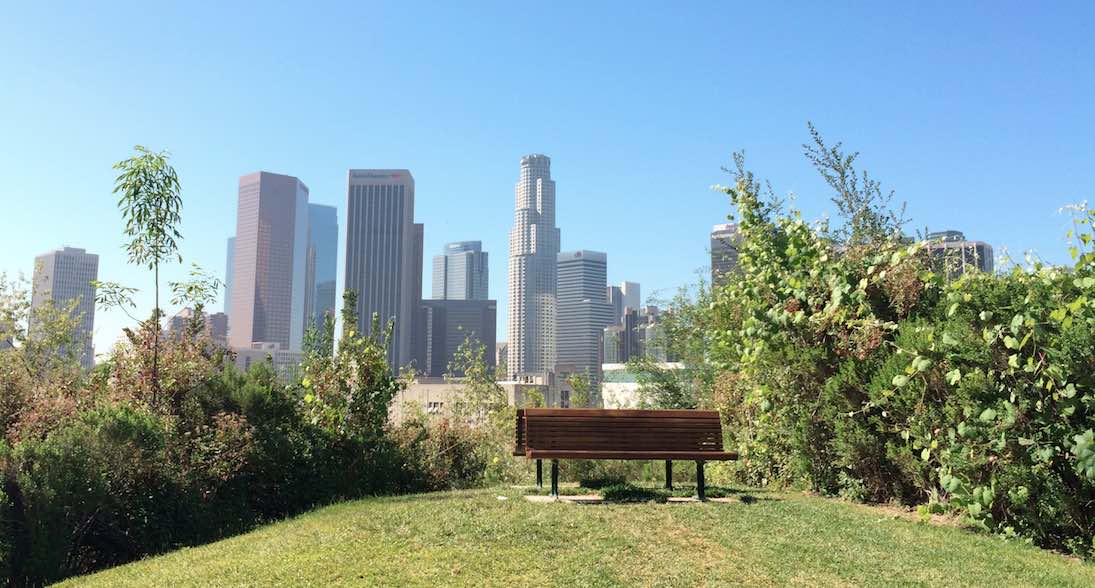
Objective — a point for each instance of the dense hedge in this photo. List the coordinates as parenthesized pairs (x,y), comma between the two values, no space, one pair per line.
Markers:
(858,369)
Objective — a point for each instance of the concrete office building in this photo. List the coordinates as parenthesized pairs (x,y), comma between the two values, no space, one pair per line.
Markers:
(384,254)
(445,325)
(460,272)
(62,278)
(953,255)
(322,262)
(533,247)
(724,252)
(269,262)
(584,313)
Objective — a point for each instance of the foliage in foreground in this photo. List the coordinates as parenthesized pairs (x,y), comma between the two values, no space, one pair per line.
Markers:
(131,459)
(855,367)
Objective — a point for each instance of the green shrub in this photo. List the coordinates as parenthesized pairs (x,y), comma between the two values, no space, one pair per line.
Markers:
(865,371)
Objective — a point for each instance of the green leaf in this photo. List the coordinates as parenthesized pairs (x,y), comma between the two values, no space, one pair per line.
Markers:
(954,376)
(922,364)
(952,309)
(948,340)
(1010,342)
(900,380)
(1013,360)
(988,415)
(925,454)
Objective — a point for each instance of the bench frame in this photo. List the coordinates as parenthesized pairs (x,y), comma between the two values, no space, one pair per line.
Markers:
(706,423)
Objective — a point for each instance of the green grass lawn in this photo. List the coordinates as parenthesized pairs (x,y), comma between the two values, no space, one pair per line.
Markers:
(474,539)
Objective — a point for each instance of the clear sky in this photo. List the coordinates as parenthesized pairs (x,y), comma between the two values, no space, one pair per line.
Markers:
(980,115)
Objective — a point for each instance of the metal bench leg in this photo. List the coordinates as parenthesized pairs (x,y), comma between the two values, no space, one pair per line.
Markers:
(668,474)
(555,478)
(539,474)
(699,482)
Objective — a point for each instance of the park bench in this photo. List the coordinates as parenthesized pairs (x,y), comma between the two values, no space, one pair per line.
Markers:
(579,433)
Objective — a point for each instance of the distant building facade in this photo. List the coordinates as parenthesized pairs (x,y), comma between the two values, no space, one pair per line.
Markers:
(383,254)
(584,312)
(269,263)
(63,277)
(322,262)
(724,252)
(460,272)
(283,361)
(445,325)
(214,326)
(533,247)
(615,297)
(953,255)
(632,295)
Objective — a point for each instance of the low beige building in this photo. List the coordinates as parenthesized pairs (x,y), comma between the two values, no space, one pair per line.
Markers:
(436,396)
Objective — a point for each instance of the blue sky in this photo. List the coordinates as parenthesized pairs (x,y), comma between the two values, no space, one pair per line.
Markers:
(980,115)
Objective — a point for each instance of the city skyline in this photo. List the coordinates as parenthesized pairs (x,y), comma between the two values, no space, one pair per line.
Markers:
(641,146)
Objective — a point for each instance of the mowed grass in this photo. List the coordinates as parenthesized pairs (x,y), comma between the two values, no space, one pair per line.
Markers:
(473,538)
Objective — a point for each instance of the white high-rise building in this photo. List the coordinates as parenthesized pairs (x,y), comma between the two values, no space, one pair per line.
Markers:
(632,295)
(533,247)
(62,276)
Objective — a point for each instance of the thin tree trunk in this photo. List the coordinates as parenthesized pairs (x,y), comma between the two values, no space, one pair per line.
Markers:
(156,341)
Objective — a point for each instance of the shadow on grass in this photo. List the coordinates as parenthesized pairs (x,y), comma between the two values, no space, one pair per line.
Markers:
(636,494)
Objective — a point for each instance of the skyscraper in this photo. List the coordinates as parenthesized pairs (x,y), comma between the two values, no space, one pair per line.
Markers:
(584,312)
(445,325)
(615,297)
(61,277)
(269,265)
(229,254)
(724,252)
(632,295)
(382,242)
(460,272)
(322,261)
(533,247)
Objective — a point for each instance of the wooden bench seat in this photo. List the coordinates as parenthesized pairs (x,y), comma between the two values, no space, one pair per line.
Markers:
(574,433)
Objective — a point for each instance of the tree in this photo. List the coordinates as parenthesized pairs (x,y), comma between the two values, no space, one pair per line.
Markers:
(150,199)
(581,395)
(201,289)
(869,217)
(482,397)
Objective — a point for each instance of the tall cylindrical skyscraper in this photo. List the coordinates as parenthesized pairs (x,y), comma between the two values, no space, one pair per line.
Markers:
(533,247)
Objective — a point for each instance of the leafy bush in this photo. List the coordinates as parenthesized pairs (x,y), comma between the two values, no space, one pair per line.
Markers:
(860,367)
(441,454)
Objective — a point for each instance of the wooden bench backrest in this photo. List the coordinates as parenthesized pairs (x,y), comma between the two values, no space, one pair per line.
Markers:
(578,429)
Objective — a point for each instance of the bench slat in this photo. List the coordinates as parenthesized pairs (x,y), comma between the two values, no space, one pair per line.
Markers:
(681,455)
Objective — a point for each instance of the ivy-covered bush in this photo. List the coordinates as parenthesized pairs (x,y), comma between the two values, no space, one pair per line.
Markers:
(860,368)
